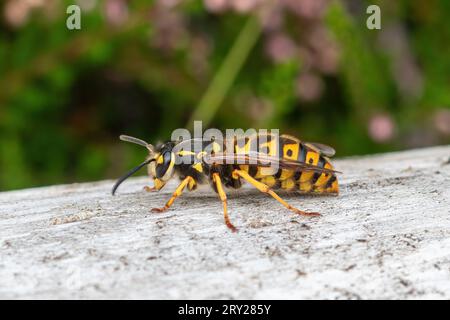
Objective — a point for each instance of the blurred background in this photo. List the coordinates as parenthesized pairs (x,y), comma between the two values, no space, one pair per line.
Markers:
(308,67)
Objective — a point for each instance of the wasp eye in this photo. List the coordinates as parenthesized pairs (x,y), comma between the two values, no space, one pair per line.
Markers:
(163,164)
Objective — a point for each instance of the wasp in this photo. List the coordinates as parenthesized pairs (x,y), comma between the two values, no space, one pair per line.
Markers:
(277,162)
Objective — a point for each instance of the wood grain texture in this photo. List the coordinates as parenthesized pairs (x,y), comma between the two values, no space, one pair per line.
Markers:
(387,235)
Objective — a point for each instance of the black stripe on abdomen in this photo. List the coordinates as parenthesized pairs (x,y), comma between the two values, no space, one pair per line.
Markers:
(330,181)
(320,164)
(302,154)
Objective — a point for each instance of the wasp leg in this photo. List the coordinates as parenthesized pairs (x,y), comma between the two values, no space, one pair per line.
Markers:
(175,195)
(158,185)
(223,197)
(266,189)
(150,189)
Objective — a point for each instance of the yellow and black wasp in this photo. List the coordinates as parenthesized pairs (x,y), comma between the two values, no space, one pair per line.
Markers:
(277,162)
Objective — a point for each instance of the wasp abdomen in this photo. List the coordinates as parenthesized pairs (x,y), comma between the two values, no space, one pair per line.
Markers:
(290,148)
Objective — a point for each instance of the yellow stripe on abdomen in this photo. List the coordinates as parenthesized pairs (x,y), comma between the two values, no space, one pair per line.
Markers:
(304,182)
(324,177)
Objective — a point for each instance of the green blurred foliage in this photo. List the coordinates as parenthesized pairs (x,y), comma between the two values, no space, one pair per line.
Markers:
(145,68)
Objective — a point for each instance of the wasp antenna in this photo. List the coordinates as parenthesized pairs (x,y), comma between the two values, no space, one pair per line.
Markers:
(129,174)
(133,140)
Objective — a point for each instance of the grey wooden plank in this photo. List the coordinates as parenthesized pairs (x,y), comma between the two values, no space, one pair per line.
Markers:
(387,235)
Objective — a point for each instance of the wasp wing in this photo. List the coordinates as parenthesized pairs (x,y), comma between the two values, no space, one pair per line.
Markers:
(289,137)
(264,160)
(318,147)
(321,148)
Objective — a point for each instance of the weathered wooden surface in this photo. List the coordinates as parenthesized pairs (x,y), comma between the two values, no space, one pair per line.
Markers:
(386,236)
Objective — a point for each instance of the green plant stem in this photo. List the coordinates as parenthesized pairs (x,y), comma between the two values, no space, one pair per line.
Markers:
(226,75)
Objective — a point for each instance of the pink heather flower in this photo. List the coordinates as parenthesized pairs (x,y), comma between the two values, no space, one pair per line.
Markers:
(16,12)
(381,127)
(244,6)
(170,28)
(216,5)
(310,9)
(280,47)
(116,11)
(309,86)
(328,60)
(326,49)
(169,3)
(442,121)
(271,18)
(33,3)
